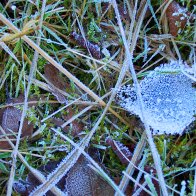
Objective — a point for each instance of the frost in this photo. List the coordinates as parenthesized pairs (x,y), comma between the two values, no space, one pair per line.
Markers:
(79,182)
(56,175)
(20,187)
(169,99)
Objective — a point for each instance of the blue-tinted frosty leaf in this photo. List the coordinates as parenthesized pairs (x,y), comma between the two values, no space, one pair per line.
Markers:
(169,99)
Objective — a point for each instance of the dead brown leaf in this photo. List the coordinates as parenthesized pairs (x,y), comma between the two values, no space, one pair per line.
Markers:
(52,74)
(93,48)
(81,180)
(10,121)
(177,17)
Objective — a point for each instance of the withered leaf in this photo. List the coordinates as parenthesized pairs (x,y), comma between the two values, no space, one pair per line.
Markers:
(76,126)
(177,17)
(52,74)
(80,180)
(94,49)
(117,147)
(10,120)
(120,150)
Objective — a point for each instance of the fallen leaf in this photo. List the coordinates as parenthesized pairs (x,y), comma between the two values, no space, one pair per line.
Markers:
(10,120)
(94,49)
(120,150)
(177,17)
(52,74)
(81,180)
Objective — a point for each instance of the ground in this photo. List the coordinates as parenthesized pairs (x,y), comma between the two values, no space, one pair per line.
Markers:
(61,65)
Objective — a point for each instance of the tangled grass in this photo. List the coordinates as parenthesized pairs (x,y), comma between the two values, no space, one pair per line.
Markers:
(95,47)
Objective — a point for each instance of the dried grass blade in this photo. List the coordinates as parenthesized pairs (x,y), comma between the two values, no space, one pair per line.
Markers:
(59,67)
(154,151)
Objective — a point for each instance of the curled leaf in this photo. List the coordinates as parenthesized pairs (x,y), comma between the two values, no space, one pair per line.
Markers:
(120,150)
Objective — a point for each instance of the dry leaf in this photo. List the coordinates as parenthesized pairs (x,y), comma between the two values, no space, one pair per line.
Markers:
(120,150)
(75,127)
(52,74)
(10,121)
(177,17)
(94,49)
(80,180)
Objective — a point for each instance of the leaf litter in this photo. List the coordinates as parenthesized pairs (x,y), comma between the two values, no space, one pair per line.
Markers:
(52,74)
(80,180)
(10,120)
(178,17)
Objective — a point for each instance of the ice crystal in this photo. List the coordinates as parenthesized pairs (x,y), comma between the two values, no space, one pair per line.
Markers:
(169,99)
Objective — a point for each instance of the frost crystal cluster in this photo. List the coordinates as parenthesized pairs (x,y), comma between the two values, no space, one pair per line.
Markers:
(169,99)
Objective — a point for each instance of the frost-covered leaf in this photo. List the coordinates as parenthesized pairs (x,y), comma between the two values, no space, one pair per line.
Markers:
(177,17)
(120,150)
(80,180)
(169,99)
(94,49)
(52,74)
(10,121)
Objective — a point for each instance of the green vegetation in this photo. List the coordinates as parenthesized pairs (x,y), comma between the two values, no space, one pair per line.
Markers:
(98,69)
